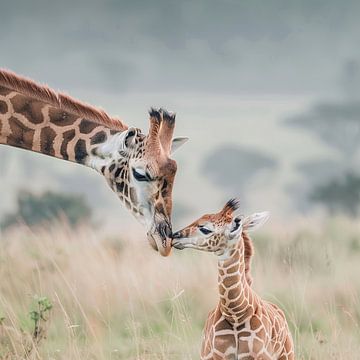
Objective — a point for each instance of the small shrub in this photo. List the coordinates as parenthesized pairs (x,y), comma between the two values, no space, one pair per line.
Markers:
(339,196)
(16,344)
(40,315)
(48,207)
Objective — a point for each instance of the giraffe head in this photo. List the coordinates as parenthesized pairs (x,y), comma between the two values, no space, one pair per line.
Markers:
(220,232)
(139,169)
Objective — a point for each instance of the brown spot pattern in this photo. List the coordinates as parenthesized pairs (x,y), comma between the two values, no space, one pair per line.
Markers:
(47,138)
(20,136)
(98,138)
(29,108)
(87,126)
(3,107)
(61,118)
(67,137)
(80,151)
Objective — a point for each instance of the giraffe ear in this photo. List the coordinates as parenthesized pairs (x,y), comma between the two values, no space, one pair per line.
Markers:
(177,142)
(130,136)
(119,142)
(256,220)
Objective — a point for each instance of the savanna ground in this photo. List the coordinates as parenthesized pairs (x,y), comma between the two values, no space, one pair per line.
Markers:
(114,298)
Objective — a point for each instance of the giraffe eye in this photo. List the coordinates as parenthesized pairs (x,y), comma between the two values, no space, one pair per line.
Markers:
(140,177)
(205,231)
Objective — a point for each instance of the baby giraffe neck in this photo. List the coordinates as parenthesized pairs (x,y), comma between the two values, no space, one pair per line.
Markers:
(237,300)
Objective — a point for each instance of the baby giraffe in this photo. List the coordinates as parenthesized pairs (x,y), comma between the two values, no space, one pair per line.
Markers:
(243,326)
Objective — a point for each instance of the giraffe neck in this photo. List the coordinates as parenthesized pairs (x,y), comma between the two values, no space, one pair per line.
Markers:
(237,300)
(31,124)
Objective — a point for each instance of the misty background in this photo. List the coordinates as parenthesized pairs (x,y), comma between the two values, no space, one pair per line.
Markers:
(268,92)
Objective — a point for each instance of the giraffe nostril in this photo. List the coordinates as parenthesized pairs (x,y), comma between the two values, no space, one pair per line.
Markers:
(164,230)
(168,231)
(176,235)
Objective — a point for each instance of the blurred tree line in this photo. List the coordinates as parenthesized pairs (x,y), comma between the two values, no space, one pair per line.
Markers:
(33,209)
(241,165)
(335,183)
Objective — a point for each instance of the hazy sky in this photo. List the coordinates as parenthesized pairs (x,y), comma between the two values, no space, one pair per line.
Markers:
(272,46)
(232,70)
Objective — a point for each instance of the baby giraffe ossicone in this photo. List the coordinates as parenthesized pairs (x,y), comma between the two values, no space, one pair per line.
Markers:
(242,326)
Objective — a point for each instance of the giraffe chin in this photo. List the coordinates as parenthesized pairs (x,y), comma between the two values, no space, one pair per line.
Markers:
(163,246)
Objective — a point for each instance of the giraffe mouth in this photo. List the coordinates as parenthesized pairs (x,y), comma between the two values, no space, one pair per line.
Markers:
(160,239)
(178,245)
(177,242)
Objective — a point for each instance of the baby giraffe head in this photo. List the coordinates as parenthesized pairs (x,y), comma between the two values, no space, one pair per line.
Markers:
(219,233)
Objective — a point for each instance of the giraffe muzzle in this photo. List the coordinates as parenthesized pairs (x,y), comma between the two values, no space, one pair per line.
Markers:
(176,243)
(165,231)
(177,235)
(161,238)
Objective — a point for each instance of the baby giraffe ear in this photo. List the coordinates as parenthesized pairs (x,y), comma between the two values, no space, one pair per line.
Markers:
(236,227)
(177,142)
(256,220)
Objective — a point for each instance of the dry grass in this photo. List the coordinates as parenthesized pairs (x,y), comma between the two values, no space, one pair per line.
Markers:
(114,298)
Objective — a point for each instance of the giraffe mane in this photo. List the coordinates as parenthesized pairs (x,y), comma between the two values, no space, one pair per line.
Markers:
(248,254)
(62,101)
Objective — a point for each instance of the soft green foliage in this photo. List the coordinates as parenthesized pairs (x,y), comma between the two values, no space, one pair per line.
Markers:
(40,313)
(37,209)
(17,343)
(339,196)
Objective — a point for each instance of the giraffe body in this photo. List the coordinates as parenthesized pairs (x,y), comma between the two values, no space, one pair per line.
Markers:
(224,340)
(137,167)
(258,331)
(242,326)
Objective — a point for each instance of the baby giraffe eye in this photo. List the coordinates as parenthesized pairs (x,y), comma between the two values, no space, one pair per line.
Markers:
(205,231)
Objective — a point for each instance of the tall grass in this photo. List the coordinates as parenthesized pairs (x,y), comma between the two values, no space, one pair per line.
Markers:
(114,298)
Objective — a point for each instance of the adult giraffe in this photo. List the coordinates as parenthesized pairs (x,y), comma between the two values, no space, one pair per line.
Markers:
(136,166)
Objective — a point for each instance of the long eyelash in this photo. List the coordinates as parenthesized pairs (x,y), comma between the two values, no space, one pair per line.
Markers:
(205,231)
(140,177)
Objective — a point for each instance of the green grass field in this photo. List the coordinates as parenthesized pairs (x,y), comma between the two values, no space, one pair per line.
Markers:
(114,298)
